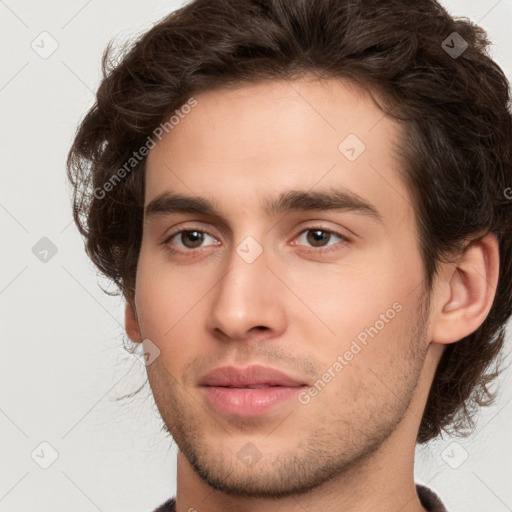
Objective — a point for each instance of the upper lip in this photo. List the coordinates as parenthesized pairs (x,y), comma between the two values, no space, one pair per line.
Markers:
(255,375)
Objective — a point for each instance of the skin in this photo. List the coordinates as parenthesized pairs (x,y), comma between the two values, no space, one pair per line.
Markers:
(299,305)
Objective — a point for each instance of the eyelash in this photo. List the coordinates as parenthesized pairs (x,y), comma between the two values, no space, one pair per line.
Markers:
(343,240)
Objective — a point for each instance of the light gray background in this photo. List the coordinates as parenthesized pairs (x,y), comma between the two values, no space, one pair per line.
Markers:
(63,365)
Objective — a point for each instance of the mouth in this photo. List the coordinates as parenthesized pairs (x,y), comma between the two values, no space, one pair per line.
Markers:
(249,392)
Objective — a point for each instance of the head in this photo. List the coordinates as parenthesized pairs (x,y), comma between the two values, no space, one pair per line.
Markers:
(314,187)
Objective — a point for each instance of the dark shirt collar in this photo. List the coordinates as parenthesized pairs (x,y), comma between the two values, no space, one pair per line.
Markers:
(428,499)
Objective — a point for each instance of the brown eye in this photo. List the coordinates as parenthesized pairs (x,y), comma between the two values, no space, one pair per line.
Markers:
(318,237)
(186,240)
(192,239)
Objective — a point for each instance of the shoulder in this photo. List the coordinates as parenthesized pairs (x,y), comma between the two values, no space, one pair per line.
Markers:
(429,499)
(168,506)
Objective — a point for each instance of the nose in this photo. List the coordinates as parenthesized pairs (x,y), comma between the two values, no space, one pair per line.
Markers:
(247,300)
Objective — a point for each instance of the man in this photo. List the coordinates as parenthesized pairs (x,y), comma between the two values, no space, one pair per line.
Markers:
(304,205)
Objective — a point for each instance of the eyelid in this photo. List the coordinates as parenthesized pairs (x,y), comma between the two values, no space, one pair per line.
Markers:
(166,242)
(319,226)
(183,226)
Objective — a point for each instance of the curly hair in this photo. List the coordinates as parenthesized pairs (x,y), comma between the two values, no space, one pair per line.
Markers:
(431,72)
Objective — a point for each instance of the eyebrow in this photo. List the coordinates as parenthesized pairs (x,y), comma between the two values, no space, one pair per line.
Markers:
(294,200)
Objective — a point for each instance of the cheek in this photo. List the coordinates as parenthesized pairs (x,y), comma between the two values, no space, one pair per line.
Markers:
(168,303)
(165,293)
(370,308)
(352,295)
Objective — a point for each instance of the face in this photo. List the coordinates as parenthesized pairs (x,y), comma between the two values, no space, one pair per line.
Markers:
(282,284)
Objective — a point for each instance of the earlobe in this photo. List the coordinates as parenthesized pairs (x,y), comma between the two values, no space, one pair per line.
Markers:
(470,292)
(131,323)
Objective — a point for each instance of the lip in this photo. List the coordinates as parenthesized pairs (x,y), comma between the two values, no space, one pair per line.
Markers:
(248,392)
(254,375)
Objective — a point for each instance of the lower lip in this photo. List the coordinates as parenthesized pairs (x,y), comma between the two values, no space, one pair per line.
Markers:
(249,402)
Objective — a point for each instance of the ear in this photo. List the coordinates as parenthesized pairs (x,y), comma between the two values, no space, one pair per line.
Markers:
(131,324)
(466,291)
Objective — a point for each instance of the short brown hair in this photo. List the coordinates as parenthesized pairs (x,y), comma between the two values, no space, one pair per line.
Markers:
(454,108)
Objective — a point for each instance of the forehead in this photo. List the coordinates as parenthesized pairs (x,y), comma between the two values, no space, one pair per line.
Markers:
(239,146)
